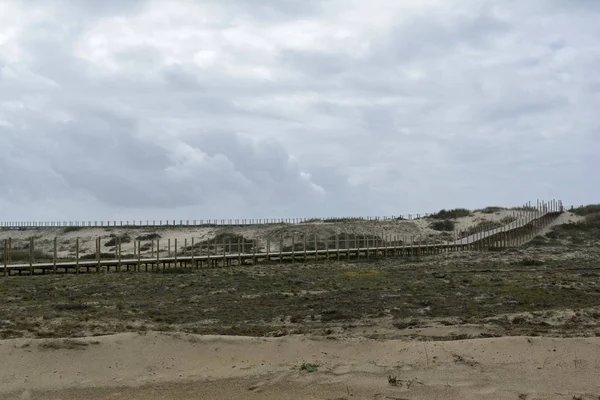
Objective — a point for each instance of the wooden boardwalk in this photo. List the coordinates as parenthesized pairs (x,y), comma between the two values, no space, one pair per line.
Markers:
(513,234)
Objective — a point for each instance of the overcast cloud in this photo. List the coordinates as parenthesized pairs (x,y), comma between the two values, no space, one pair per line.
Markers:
(281,108)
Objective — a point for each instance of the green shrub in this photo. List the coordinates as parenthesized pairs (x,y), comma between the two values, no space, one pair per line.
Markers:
(176,270)
(149,236)
(587,210)
(72,229)
(114,240)
(491,209)
(580,232)
(444,225)
(102,256)
(531,262)
(451,214)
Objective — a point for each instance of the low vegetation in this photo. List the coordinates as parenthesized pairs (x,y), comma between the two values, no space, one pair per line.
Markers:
(451,214)
(72,229)
(312,297)
(443,225)
(149,236)
(580,233)
(491,210)
(114,240)
(586,210)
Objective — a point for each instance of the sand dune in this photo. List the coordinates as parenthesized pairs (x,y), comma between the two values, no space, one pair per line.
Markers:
(181,366)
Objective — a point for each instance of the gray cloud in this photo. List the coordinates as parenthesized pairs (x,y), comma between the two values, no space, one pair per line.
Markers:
(173,109)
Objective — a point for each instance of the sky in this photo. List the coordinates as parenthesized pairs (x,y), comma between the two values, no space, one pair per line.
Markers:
(181,109)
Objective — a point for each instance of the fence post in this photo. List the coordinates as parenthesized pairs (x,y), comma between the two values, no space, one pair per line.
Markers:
(175,252)
(293,247)
(193,250)
(268,247)
(98,254)
(224,253)
(139,254)
(304,237)
(77,256)
(54,257)
(5,257)
(337,245)
(119,250)
(281,248)
(157,256)
(31,255)
(347,246)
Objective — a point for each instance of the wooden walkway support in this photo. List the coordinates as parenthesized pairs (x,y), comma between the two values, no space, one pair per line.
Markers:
(522,229)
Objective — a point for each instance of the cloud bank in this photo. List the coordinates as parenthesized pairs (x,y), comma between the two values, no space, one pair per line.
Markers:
(195,110)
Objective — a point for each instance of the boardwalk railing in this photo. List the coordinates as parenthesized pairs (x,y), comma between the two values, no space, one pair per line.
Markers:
(157,255)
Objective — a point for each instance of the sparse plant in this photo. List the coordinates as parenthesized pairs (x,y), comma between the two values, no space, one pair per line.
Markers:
(443,225)
(308,367)
(491,209)
(586,210)
(508,219)
(92,256)
(72,229)
(451,214)
(149,236)
(114,240)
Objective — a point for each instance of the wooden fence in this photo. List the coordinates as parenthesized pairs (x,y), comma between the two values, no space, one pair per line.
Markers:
(553,204)
(158,255)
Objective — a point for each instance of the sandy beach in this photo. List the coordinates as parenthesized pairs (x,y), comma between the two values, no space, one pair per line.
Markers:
(183,366)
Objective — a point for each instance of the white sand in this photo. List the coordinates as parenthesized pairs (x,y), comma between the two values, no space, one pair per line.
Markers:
(180,366)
